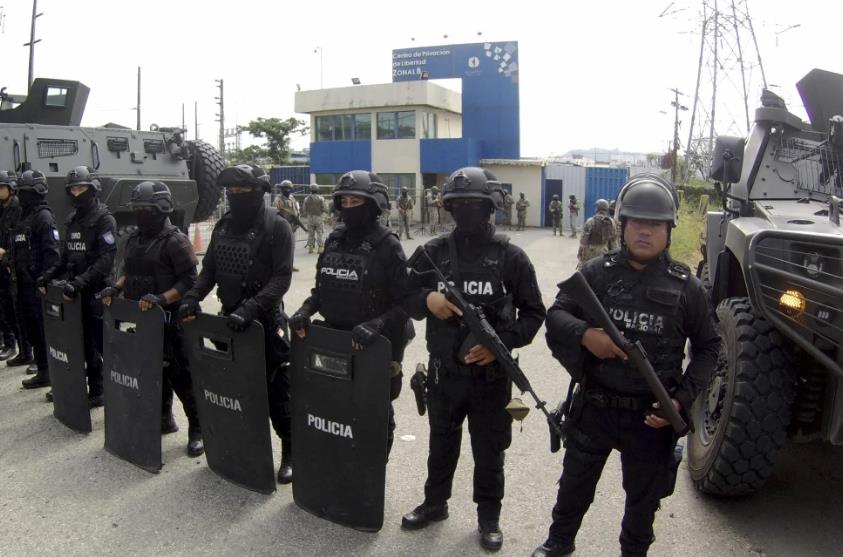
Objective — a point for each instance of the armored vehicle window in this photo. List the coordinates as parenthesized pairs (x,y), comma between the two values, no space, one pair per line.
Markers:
(56,97)
(50,148)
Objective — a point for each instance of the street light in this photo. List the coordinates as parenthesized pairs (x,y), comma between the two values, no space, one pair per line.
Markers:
(321,64)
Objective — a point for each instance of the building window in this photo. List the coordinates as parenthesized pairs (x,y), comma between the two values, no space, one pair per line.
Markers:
(344,127)
(429,123)
(395,182)
(397,125)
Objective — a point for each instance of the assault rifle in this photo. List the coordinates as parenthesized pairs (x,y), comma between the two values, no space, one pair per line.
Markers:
(578,289)
(475,319)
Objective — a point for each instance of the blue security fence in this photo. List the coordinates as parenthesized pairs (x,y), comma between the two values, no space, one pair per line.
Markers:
(602,183)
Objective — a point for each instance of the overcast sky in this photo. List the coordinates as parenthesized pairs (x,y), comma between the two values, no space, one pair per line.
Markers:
(591,73)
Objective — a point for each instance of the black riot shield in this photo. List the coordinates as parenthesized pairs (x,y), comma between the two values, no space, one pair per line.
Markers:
(132,382)
(229,382)
(340,421)
(66,359)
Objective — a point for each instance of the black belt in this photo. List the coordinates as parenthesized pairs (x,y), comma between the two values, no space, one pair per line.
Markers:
(603,399)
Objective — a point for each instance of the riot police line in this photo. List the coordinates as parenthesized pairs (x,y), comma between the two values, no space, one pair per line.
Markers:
(329,383)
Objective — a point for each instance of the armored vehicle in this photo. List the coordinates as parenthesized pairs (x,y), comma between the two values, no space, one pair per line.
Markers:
(41,131)
(773,258)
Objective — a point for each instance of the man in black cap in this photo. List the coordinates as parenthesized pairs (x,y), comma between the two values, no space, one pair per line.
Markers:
(368,304)
(463,379)
(157,267)
(35,248)
(250,260)
(89,247)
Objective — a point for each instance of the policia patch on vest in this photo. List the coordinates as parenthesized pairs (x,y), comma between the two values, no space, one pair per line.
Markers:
(108,238)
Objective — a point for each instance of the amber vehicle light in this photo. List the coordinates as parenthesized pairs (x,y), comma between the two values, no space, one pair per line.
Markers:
(792,302)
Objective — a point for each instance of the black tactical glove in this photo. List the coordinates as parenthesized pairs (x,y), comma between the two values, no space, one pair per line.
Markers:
(152,299)
(367,333)
(189,308)
(41,282)
(108,292)
(299,321)
(239,319)
(71,289)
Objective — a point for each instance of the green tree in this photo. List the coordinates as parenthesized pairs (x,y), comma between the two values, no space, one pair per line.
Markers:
(277,133)
(253,153)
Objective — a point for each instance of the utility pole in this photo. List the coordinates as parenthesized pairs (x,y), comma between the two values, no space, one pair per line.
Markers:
(676,108)
(195,120)
(221,117)
(182,118)
(32,41)
(138,108)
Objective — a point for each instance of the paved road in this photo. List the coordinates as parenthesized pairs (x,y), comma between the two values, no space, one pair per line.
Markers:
(60,492)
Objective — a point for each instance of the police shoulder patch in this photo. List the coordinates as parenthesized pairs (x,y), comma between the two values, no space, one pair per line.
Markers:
(108,238)
(55,233)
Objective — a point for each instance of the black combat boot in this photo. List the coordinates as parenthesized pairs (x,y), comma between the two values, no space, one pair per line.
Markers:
(491,537)
(423,515)
(95,399)
(553,548)
(168,424)
(7,351)
(23,358)
(32,369)
(49,396)
(40,379)
(285,471)
(195,443)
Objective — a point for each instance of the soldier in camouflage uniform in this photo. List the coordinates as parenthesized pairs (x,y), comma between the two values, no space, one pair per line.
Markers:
(508,202)
(573,213)
(405,210)
(288,208)
(313,209)
(555,209)
(521,210)
(432,199)
(599,235)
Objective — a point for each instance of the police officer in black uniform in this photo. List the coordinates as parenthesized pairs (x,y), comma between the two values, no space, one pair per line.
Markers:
(369,306)
(250,260)
(463,380)
(35,249)
(90,244)
(653,299)
(9,215)
(157,267)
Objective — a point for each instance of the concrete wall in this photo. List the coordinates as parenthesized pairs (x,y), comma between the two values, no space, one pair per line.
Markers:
(384,95)
(526,179)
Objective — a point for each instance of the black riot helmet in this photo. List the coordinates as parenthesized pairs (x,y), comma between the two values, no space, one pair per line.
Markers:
(33,180)
(472,182)
(648,197)
(245,175)
(8,179)
(82,176)
(153,194)
(365,184)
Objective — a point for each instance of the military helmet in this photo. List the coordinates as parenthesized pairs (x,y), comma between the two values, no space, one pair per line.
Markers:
(555,197)
(314,188)
(405,191)
(33,180)
(82,176)
(154,194)
(572,197)
(435,189)
(365,184)
(286,185)
(648,197)
(246,174)
(8,179)
(472,182)
(601,205)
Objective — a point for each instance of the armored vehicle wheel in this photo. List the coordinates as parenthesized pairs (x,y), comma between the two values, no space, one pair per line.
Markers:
(742,417)
(205,165)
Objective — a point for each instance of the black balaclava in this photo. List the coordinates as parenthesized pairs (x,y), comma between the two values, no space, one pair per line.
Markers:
(150,223)
(29,199)
(472,218)
(84,201)
(245,207)
(360,218)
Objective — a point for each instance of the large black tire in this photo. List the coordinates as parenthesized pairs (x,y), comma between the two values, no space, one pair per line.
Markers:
(205,165)
(741,419)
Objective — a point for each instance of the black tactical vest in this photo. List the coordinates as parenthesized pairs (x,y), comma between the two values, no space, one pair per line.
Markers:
(83,241)
(243,268)
(27,261)
(481,283)
(347,293)
(146,272)
(647,308)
